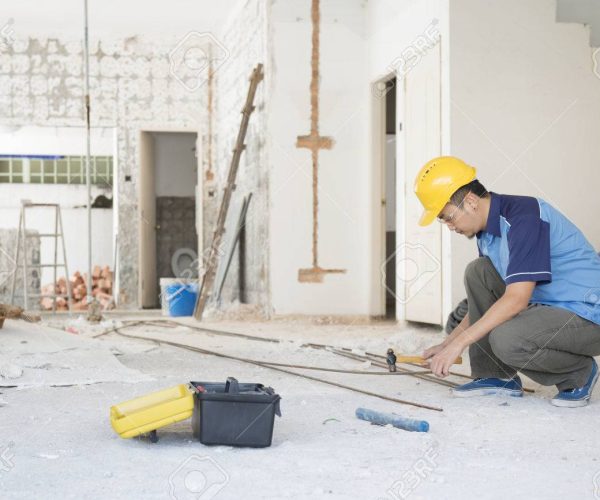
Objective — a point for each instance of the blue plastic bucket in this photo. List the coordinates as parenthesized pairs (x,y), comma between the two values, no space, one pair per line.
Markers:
(182,299)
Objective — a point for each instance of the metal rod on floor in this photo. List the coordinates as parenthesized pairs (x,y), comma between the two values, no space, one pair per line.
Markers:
(341,351)
(118,331)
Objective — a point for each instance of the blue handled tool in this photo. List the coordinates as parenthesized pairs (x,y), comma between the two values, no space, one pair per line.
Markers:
(376,417)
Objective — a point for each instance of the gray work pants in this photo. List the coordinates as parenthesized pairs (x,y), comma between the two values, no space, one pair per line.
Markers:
(551,345)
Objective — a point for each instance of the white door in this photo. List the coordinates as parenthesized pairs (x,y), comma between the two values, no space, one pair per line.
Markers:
(419,259)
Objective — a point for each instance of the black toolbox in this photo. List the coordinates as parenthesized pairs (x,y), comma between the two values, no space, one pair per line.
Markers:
(234,414)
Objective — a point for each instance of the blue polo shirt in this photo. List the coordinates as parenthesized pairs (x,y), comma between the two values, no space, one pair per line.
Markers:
(527,239)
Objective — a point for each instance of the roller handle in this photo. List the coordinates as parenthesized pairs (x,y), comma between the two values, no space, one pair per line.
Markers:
(379,418)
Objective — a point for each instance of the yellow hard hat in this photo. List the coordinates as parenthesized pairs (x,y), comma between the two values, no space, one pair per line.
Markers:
(437,181)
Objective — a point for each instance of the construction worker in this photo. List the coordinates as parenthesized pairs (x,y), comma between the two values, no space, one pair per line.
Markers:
(533,294)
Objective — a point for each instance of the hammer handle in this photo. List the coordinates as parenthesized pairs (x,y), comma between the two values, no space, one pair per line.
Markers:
(419,360)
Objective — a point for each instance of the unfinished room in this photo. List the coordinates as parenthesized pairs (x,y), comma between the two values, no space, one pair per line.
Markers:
(222,224)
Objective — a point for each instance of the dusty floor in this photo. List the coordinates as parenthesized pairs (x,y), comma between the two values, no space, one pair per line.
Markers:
(56,440)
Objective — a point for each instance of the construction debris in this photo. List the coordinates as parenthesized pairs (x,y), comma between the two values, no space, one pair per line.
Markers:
(9,370)
(14,312)
(102,289)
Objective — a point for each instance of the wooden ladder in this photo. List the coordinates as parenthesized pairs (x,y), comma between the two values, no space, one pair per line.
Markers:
(213,259)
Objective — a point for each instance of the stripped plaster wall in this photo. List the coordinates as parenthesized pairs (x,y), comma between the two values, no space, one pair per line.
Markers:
(245,38)
(132,89)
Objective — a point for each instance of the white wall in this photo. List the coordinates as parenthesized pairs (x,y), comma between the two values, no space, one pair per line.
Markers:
(55,140)
(343,170)
(175,164)
(74,221)
(525,109)
(72,198)
(359,41)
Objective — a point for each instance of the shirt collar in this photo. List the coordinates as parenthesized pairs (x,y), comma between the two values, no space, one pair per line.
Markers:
(493,220)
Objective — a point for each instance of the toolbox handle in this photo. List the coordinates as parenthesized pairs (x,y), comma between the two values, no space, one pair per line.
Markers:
(232,386)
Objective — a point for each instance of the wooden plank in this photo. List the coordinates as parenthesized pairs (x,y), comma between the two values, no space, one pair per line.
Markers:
(239,219)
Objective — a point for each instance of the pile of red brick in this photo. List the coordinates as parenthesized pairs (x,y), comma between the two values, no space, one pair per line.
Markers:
(102,283)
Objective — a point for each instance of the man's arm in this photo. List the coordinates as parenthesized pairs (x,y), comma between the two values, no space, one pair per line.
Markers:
(461,327)
(515,299)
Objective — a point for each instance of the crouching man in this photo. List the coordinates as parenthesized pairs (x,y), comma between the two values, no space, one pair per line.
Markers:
(533,293)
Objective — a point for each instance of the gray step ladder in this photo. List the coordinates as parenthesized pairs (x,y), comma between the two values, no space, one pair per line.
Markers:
(22,241)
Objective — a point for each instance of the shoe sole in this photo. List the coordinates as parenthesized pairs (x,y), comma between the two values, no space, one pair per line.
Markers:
(568,403)
(488,392)
(576,403)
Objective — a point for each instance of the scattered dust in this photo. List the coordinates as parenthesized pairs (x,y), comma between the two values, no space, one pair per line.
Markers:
(9,370)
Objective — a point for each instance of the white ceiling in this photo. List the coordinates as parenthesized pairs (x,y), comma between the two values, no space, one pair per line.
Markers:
(114,18)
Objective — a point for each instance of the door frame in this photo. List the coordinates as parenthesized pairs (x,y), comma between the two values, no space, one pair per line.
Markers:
(378,137)
(378,128)
(199,196)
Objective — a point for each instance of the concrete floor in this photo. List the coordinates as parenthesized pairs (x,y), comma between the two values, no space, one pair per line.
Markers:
(57,442)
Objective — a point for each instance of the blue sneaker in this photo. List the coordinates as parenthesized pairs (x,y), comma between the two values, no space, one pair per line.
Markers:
(488,386)
(574,398)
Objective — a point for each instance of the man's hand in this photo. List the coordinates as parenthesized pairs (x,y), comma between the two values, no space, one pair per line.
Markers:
(433,350)
(441,362)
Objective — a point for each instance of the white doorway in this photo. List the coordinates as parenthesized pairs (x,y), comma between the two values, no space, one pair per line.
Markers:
(407,133)
(167,209)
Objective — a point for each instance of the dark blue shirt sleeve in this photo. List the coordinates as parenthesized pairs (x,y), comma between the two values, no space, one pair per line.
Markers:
(528,250)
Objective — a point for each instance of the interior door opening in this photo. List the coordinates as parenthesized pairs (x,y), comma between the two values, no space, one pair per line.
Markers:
(168,237)
(389,190)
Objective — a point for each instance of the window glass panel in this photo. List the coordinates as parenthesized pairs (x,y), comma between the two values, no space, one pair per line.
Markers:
(62,166)
(75,165)
(67,170)
(17,166)
(35,166)
(102,173)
